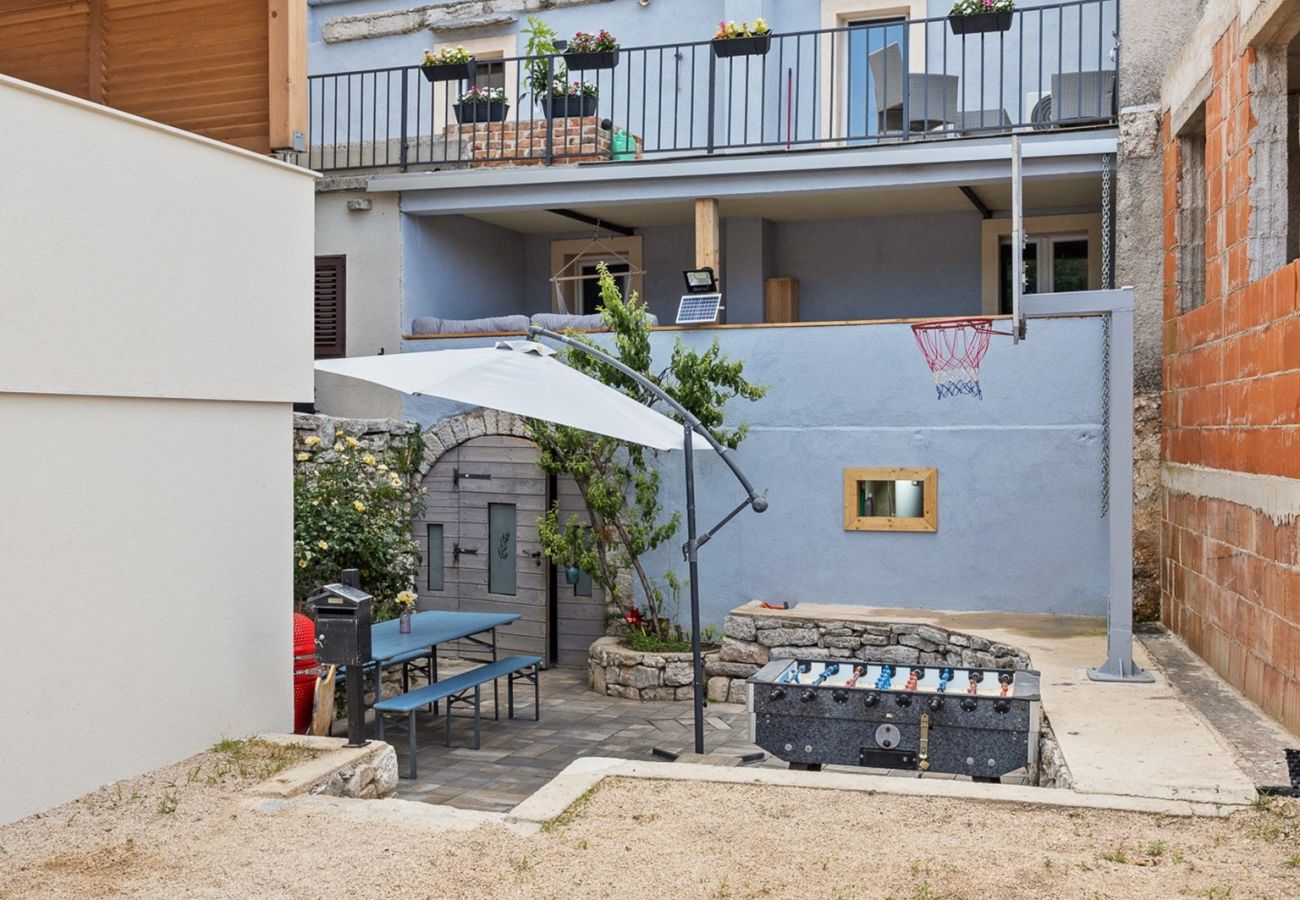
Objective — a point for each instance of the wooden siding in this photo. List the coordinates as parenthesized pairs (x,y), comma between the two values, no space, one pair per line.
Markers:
(219,68)
(47,42)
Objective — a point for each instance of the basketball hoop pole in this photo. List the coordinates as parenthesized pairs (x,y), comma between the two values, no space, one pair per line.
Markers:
(1017,244)
(1118,305)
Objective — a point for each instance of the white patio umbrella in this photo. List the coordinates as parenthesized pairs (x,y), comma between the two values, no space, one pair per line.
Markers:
(522,377)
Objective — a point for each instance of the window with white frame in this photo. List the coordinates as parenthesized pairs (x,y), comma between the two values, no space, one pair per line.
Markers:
(1053,263)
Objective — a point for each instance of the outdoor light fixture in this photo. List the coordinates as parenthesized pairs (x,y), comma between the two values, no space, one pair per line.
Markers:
(700,281)
(572,573)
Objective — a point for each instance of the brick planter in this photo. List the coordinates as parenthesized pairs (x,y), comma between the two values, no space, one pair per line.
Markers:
(619,671)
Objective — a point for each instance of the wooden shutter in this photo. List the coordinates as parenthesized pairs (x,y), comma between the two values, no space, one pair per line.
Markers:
(331,308)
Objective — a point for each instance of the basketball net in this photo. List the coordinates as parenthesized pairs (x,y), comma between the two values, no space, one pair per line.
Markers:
(954,349)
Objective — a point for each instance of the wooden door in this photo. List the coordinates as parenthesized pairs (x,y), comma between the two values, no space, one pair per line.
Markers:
(579,608)
(479,539)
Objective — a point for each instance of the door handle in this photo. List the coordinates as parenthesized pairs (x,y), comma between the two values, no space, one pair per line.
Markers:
(457,550)
(537,556)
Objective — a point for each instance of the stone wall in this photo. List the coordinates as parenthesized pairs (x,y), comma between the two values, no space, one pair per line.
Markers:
(439,17)
(376,435)
(751,641)
(618,671)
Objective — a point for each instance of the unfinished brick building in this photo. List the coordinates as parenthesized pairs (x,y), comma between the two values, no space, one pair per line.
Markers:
(1230,575)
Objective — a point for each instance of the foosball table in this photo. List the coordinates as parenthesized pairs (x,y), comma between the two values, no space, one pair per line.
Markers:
(978,722)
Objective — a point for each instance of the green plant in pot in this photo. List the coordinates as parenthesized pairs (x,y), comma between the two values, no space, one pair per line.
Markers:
(487,104)
(587,51)
(571,99)
(742,39)
(981,16)
(448,64)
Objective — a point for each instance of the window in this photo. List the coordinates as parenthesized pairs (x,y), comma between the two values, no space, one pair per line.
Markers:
(575,263)
(501,553)
(489,70)
(1190,219)
(1064,266)
(331,292)
(891,499)
(589,295)
(1062,253)
(433,557)
(865,37)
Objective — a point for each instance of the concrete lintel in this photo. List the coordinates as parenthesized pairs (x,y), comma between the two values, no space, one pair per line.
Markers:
(933,153)
(584,774)
(1191,103)
(1273,495)
(434,195)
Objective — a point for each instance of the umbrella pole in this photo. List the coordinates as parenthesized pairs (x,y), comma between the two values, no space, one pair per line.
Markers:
(692,563)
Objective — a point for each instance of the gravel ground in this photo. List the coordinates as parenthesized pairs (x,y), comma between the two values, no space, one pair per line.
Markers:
(183,832)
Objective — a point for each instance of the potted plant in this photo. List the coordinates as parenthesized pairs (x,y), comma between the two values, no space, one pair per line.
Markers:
(591,51)
(570,99)
(980,16)
(448,64)
(478,104)
(743,39)
(406,603)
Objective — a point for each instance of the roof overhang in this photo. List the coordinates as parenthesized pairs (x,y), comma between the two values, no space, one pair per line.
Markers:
(937,163)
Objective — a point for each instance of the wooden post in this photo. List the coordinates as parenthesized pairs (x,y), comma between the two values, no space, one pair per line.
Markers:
(708,236)
(287,54)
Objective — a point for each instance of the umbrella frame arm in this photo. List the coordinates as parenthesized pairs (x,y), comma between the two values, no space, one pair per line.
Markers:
(755,500)
(690,425)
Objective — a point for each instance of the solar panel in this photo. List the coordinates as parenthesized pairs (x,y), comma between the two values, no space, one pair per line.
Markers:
(697,309)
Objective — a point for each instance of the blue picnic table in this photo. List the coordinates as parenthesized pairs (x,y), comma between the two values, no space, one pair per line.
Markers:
(388,646)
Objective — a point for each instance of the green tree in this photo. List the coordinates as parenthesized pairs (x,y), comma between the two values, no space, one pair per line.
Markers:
(352,509)
(619,482)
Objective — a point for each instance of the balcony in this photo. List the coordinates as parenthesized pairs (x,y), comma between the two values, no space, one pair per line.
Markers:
(888,82)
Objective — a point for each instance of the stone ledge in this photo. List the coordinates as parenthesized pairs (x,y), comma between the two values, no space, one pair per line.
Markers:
(367,773)
(619,671)
(451,15)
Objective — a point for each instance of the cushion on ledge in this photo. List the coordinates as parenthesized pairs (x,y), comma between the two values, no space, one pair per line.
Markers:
(563,322)
(436,325)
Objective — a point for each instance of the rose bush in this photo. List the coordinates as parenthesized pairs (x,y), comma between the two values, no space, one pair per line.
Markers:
(353,509)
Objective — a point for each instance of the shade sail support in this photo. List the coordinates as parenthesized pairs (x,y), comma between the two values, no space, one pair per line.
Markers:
(690,550)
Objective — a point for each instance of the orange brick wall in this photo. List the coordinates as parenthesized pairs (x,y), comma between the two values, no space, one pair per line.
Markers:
(492,144)
(1230,575)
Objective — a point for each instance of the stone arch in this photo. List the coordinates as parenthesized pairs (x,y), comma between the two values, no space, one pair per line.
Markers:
(456,430)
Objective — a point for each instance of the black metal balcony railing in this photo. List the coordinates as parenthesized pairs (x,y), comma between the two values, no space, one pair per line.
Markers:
(856,85)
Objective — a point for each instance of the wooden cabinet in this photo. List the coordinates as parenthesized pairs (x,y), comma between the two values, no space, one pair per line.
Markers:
(781,300)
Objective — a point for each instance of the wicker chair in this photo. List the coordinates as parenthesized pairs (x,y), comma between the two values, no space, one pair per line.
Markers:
(1080,96)
(931,99)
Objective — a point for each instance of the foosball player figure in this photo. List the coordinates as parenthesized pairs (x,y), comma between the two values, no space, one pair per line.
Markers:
(1005,678)
(945,676)
(912,678)
(976,676)
(885,678)
(858,672)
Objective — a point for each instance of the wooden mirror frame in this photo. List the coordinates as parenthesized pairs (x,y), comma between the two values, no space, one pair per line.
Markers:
(927,521)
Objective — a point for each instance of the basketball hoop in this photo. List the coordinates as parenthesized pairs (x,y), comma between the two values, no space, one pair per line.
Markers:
(953,350)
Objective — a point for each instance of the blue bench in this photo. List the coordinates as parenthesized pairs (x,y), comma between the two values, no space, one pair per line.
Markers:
(463,689)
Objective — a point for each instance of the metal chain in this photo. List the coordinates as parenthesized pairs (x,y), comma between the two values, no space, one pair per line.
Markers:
(1105,415)
(1107,278)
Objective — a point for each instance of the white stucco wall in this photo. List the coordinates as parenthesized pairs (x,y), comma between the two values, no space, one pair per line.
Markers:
(155,328)
(371,239)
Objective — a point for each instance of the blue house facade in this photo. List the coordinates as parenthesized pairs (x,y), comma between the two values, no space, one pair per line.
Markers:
(851,170)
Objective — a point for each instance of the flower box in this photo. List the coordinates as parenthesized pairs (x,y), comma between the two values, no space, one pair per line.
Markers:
(600,59)
(472,113)
(755,45)
(462,71)
(569,107)
(980,23)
